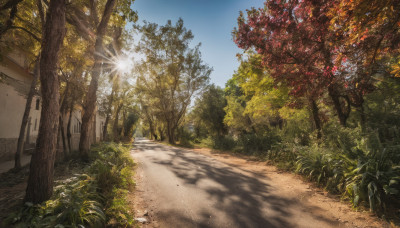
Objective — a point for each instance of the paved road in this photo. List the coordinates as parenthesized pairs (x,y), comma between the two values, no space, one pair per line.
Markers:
(182,188)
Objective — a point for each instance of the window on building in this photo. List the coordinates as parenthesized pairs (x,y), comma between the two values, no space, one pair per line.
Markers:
(77,127)
(37,104)
(35,125)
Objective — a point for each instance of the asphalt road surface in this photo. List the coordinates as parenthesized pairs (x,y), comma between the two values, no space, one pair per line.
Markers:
(182,188)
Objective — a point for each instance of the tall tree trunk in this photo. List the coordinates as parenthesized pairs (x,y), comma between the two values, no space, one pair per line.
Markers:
(160,130)
(40,181)
(115,126)
(153,135)
(108,114)
(91,97)
(71,109)
(122,134)
(63,137)
(315,115)
(171,133)
(61,120)
(342,112)
(25,117)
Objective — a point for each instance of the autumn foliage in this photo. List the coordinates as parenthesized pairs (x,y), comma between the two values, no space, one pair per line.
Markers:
(318,47)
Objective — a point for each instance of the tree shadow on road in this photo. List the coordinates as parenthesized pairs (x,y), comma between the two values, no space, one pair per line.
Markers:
(245,200)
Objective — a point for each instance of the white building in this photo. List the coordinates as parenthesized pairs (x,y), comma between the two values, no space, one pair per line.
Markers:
(15,81)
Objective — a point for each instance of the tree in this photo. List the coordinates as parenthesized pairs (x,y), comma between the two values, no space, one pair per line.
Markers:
(209,110)
(84,16)
(91,98)
(40,181)
(171,74)
(369,45)
(296,45)
(264,98)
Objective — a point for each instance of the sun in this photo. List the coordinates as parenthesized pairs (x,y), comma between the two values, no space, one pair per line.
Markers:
(123,65)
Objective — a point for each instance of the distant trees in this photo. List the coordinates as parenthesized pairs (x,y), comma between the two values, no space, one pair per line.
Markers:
(254,99)
(209,113)
(171,74)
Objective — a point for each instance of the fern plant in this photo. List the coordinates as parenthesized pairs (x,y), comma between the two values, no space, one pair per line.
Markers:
(75,203)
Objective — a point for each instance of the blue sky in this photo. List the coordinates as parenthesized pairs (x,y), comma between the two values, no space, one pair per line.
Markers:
(211,22)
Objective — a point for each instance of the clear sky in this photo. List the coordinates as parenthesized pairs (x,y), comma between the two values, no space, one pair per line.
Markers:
(211,22)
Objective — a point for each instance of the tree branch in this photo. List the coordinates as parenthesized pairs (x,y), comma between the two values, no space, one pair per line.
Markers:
(10,4)
(27,31)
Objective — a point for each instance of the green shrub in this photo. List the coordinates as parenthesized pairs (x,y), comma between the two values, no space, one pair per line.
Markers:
(223,143)
(376,179)
(185,137)
(257,144)
(326,168)
(75,203)
(113,169)
(338,138)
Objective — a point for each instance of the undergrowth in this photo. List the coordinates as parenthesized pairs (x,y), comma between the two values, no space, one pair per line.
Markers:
(345,161)
(94,198)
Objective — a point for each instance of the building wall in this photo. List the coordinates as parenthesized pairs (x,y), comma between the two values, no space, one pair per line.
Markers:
(15,82)
(76,124)
(99,127)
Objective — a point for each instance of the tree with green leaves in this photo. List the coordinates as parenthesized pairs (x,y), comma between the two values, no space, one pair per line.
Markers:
(171,74)
(91,20)
(209,110)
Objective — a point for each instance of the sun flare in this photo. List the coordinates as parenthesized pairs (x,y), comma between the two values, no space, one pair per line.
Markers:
(123,65)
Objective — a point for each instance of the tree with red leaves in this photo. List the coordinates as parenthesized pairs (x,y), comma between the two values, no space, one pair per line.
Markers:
(296,44)
(370,31)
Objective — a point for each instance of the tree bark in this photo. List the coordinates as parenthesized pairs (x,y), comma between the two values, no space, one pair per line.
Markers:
(108,114)
(40,181)
(63,136)
(122,134)
(342,112)
(91,97)
(61,120)
(71,109)
(25,117)
(315,115)
(115,126)
(171,133)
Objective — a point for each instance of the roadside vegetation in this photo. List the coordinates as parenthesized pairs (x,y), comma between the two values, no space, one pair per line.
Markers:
(94,195)
(316,93)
